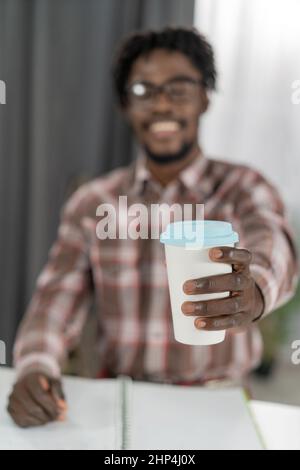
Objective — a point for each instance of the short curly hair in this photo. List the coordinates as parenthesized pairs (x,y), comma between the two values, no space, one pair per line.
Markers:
(188,41)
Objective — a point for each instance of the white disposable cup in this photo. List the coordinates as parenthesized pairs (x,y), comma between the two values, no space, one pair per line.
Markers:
(183,264)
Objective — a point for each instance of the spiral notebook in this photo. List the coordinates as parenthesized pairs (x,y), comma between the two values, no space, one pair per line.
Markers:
(121,414)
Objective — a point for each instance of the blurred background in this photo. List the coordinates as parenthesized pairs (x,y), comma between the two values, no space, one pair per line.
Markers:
(60,127)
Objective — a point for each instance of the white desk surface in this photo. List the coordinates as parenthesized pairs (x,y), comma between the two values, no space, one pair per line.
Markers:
(279,425)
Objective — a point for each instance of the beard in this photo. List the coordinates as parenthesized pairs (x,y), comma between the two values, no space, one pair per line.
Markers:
(168,158)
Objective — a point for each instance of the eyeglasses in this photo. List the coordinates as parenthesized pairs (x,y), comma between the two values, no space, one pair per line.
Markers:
(179,90)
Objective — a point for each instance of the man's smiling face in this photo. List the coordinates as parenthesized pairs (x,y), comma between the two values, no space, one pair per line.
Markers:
(165,126)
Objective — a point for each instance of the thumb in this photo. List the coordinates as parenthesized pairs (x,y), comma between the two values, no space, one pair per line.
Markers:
(44,383)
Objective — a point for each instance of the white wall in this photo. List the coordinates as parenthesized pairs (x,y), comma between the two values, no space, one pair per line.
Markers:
(252,118)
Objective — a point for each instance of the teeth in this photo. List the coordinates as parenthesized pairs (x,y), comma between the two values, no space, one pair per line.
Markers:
(167,126)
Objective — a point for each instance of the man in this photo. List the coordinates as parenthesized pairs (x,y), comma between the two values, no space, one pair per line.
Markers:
(162,81)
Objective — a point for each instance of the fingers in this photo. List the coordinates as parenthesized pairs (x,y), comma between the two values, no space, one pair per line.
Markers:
(59,396)
(215,307)
(234,256)
(37,400)
(229,312)
(237,320)
(22,419)
(44,383)
(24,410)
(42,397)
(236,281)
(218,283)
(57,390)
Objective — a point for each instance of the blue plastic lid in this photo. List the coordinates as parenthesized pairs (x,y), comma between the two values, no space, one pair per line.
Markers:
(199,233)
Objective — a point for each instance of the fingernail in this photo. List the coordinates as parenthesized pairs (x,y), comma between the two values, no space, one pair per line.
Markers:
(44,384)
(200,324)
(61,404)
(188,308)
(189,286)
(217,253)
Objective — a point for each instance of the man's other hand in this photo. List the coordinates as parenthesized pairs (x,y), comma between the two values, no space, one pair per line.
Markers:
(37,400)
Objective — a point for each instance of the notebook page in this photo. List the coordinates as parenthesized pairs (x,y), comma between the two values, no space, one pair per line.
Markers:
(177,418)
(92,423)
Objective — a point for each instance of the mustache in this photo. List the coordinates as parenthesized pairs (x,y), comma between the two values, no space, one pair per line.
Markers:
(147,124)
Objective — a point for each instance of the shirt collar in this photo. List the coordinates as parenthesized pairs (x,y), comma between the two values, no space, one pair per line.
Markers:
(189,176)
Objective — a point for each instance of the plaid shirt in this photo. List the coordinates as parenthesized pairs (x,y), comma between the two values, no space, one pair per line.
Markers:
(128,279)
